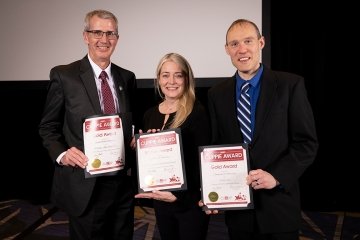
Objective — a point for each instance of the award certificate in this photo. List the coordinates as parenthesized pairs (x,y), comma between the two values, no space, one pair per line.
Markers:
(160,161)
(223,177)
(103,145)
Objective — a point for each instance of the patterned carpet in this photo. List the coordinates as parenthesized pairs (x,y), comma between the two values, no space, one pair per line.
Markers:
(22,220)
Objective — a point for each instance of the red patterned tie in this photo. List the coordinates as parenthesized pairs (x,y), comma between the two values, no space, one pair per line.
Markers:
(108,99)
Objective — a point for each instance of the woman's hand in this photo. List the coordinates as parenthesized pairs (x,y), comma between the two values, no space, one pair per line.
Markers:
(206,209)
(133,142)
(158,195)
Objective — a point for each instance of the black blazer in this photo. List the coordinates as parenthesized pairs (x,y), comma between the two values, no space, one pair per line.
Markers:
(72,96)
(284,144)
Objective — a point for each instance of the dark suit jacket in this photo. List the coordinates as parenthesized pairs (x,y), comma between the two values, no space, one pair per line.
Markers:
(72,96)
(284,144)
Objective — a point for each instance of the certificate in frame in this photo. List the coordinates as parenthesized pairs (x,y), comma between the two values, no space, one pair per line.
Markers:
(104,145)
(159,158)
(223,177)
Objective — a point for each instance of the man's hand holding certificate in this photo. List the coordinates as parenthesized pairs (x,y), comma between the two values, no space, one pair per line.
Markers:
(223,174)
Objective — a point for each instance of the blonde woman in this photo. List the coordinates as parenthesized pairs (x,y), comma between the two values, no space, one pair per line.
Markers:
(177,213)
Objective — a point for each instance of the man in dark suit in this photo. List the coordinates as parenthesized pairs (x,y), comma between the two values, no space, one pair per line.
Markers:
(99,207)
(283,141)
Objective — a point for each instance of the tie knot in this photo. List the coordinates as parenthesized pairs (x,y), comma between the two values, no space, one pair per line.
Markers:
(103,75)
(245,87)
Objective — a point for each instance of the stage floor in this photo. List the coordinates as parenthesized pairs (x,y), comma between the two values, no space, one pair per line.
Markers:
(22,220)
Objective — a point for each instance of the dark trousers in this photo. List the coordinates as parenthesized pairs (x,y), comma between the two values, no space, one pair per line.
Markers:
(110,214)
(247,228)
(175,224)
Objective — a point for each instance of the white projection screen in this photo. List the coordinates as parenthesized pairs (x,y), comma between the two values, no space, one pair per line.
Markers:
(39,34)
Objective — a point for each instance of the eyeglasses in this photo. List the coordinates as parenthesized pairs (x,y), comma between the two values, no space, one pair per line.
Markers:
(97,34)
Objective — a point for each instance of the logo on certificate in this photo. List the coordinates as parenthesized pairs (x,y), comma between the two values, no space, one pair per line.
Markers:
(96,163)
(213,196)
(149,180)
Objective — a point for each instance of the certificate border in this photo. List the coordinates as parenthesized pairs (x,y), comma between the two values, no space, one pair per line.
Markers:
(178,132)
(245,147)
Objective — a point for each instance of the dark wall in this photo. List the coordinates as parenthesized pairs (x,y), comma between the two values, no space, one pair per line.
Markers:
(25,170)
(300,42)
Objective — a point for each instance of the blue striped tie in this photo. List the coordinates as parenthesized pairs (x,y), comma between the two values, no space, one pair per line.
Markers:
(244,112)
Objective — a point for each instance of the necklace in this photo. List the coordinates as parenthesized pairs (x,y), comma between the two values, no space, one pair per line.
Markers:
(167,108)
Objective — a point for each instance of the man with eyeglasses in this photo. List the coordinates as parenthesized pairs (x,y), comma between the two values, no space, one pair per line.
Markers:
(100,207)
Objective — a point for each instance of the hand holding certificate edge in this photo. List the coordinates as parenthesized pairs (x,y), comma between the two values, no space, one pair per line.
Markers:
(133,140)
(206,209)
(165,196)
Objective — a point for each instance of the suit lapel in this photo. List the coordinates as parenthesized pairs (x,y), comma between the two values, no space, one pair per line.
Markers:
(120,88)
(87,77)
(228,104)
(232,107)
(265,102)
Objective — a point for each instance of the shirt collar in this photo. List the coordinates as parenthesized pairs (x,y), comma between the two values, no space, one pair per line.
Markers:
(97,70)
(254,81)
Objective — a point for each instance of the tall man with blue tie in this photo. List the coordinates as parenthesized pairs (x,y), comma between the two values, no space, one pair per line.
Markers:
(276,121)
(99,207)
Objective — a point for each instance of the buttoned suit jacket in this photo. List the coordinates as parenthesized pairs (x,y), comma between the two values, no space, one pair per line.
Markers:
(73,96)
(284,144)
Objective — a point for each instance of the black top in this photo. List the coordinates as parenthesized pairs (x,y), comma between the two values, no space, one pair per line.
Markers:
(195,132)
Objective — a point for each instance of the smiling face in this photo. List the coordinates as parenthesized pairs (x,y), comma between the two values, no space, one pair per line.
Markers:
(100,50)
(244,46)
(171,80)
